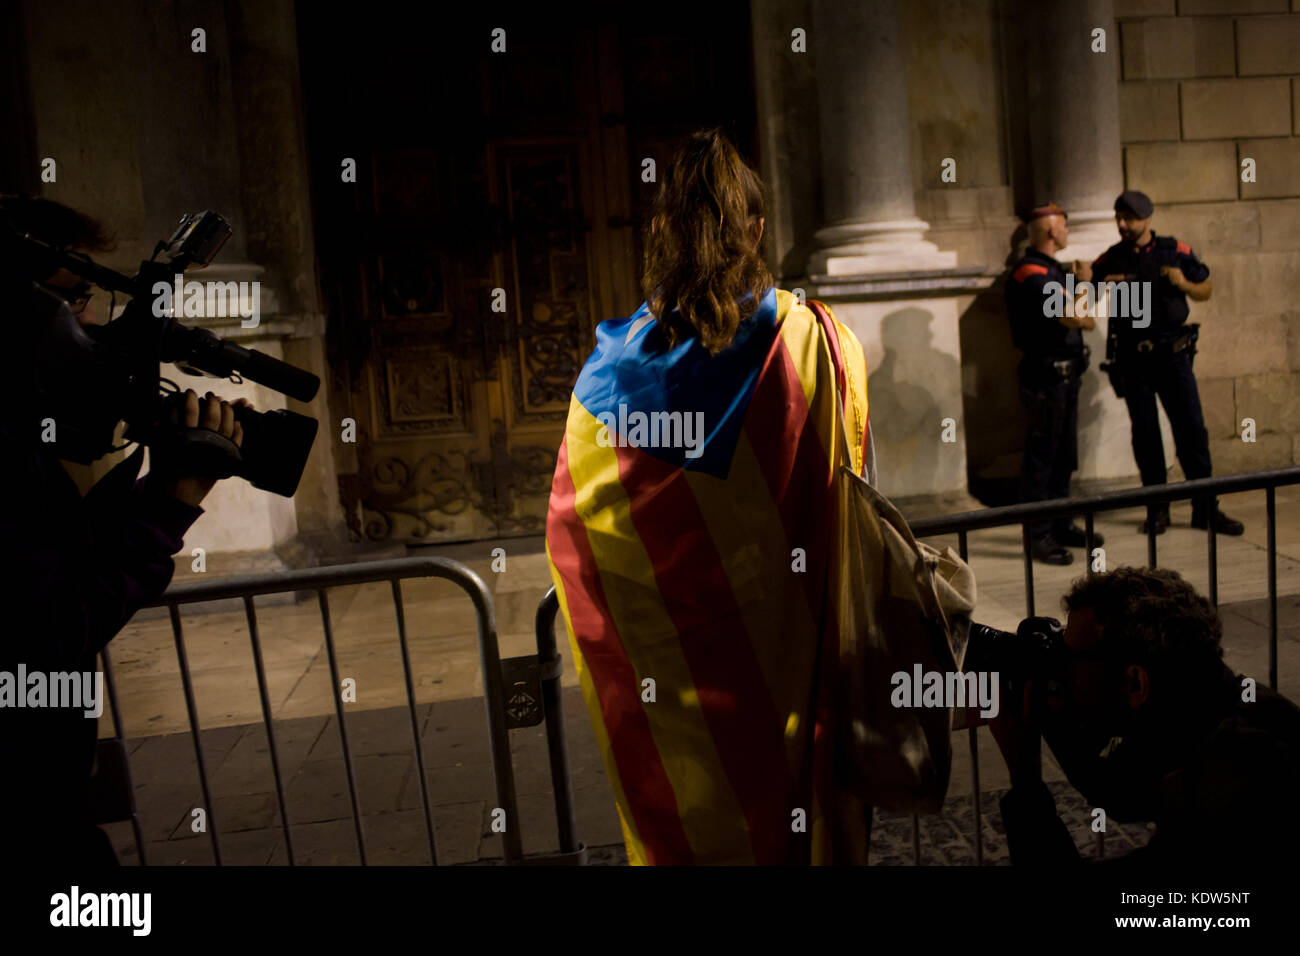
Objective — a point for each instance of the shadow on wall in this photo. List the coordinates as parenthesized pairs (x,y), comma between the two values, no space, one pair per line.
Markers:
(911,392)
(995,419)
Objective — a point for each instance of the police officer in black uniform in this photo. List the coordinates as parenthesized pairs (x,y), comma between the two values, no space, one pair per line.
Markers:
(1144,362)
(1050,335)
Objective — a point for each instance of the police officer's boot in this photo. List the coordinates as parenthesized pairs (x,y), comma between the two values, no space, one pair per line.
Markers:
(1222,523)
(1049,551)
(1157,516)
(1072,536)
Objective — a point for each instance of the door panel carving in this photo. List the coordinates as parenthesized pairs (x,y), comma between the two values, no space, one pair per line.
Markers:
(459,409)
(466,404)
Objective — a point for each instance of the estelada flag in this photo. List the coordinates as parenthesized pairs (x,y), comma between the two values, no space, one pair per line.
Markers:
(689,537)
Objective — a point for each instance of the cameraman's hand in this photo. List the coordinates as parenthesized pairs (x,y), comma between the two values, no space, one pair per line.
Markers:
(1017,733)
(215,415)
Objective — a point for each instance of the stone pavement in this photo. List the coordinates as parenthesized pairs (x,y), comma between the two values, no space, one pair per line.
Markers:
(462,793)
(460,780)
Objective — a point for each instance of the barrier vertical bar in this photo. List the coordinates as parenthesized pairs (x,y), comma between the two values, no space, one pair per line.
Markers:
(1029,570)
(190,707)
(551,666)
(251,613)
(1212,547)
(972,736)
(117,731)
(400,610)
(494,695)
(1270,502)
(1088,529)
(343,730)
(1088,542)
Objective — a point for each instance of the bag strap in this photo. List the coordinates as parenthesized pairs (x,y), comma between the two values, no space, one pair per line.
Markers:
(846,392)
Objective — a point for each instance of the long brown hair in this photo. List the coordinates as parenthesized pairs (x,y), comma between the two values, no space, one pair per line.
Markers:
(699,258)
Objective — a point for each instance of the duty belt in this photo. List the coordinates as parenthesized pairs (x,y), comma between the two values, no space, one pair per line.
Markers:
(1070,367)
(1160,348)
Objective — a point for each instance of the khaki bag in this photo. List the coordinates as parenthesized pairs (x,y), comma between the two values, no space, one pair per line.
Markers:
(901,603)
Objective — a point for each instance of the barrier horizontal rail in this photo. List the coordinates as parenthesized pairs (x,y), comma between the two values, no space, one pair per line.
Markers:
(1102,501)
(320,580)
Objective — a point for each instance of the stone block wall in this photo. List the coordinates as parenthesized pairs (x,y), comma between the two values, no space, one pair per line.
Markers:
(1205,85)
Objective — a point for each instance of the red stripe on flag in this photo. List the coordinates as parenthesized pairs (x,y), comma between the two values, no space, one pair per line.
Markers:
(801,484)
(792,458)
(645,783)
(729,682)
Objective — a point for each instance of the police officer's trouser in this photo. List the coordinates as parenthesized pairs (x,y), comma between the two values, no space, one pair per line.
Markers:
(1170,377)
(1051,443)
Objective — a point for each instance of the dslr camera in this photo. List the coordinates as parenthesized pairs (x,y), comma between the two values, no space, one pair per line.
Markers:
(1035,651)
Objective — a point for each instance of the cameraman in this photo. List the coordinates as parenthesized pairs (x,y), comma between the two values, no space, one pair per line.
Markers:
(74,569)
(1150,725)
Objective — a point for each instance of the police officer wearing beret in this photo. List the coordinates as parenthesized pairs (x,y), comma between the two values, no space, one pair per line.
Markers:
(1054,359)
(1156,360)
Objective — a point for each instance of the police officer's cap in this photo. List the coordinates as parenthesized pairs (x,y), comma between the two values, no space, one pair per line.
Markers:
(1047,209)
(1138,203)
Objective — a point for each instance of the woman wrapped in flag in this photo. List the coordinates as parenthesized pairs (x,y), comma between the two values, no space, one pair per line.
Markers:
(689,536)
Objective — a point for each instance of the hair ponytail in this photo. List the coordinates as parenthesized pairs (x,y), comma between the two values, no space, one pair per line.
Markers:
(699,255)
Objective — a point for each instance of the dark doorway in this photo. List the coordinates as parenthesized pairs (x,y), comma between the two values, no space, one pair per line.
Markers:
(478,171)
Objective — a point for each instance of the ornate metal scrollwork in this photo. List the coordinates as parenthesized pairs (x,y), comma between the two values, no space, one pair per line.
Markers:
(433,486)
(548,347)
(397,488)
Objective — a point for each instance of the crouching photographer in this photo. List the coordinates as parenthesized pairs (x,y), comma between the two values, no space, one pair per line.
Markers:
(1149,724)
(75,569)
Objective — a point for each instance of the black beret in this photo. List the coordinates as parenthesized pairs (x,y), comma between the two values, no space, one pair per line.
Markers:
(1139,204)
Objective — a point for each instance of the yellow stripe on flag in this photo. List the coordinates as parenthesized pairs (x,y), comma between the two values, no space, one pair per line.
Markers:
(771,596)
(632,840)
(715,825)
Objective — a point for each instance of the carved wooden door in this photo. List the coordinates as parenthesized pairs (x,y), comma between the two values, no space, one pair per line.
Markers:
(492,230)
(474,344)
(491,256)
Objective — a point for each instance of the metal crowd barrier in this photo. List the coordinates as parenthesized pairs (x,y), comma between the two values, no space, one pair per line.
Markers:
(534,696)
(1089,506)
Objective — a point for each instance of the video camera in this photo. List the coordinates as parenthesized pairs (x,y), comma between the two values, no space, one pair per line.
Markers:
(101,375)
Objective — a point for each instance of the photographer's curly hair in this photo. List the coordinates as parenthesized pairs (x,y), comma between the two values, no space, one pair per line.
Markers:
(698,255)
(1155,618)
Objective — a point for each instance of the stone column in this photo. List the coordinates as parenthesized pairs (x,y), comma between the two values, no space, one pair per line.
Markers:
(784,88)
(1069,107)
(1073,126)
(275,195)
(870,213)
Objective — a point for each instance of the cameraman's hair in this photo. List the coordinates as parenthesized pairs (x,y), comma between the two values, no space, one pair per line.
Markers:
(698,259)
(1155,618)
(55,223)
